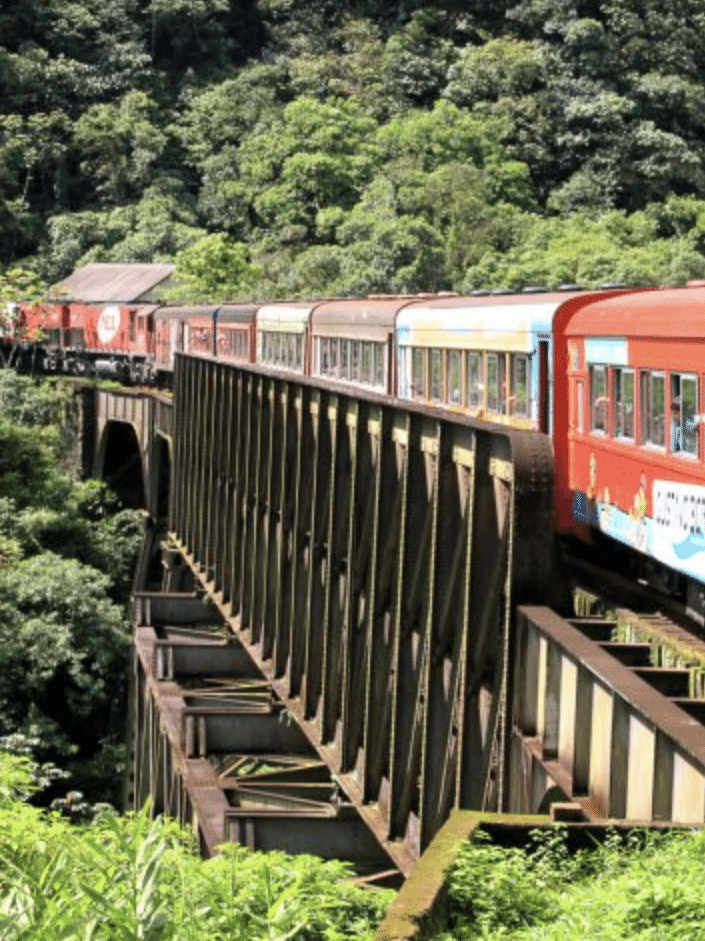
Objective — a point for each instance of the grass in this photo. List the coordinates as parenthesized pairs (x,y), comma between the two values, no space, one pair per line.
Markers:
(647,888)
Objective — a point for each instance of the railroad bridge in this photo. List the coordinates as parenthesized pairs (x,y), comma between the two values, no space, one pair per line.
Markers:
(345,624)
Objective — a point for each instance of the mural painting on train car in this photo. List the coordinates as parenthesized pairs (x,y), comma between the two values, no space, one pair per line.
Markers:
(675,535)
(679,526)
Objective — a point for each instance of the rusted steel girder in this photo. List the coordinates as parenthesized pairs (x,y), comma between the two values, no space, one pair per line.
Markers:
(596,723)
(368,555)
(211,745)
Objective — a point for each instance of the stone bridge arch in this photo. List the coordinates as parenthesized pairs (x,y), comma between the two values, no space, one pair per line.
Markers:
(121,463)
(122,455)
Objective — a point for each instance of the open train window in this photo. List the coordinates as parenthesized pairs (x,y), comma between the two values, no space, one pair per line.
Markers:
(356,359)
(653,408)
(334,356)
(454,370)
(435,376)
(475,380)
(380,350)
(683,426)
(519,389)
(624,404)
(598,398)
(366,369)
(345,359)
(497,383)
(418,373)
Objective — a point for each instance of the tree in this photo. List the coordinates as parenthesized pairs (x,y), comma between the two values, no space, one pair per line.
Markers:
(216,269)
(120,144)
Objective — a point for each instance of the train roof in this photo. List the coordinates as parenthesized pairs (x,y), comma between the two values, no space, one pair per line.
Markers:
(667,313)
(103,283)
(237,313)
(285,317)
(369,317)
(506,321)
(183,312)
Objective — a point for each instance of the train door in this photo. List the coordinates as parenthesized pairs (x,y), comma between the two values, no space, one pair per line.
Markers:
(544,388)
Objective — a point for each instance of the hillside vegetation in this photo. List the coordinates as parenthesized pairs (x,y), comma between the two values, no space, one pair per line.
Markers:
(67,557)
(281,148)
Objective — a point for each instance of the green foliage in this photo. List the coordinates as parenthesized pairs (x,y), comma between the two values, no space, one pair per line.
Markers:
(64,636)
(135,878)
(121,143)
(646,888)
(589,250)
(132,131)
(215,269)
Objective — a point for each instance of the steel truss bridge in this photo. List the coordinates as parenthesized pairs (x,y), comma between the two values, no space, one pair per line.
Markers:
(345,624)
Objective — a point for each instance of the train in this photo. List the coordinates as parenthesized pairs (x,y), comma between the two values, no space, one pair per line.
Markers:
(615,376)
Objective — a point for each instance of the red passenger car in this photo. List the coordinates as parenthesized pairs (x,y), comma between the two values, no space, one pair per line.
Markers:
(634,462)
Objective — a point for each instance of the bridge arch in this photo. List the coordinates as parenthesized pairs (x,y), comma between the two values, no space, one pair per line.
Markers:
(121,463)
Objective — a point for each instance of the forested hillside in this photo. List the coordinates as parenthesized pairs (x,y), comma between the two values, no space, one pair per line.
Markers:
(297,147)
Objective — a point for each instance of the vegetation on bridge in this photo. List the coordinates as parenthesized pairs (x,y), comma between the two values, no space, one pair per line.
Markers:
(647,888)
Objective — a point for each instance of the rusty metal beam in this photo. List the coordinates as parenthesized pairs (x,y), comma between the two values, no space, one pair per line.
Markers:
(615,739)
(367,555)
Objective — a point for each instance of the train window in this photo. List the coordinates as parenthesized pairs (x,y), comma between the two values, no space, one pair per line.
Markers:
(492,382)
(598,398)
(496,383)
(77,338)
(683,426)
(418,373)
(380,350)
(624,403)
(519,391)
(366,367)
(345,359)
(475,384)
(436,376)
(356,358)
(454,370)
(653,408)
(334,356)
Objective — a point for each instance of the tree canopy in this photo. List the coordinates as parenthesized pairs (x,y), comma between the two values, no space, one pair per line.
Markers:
(356,147)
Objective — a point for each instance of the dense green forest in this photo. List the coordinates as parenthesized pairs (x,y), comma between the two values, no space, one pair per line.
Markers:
(298,147)
(67,557)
